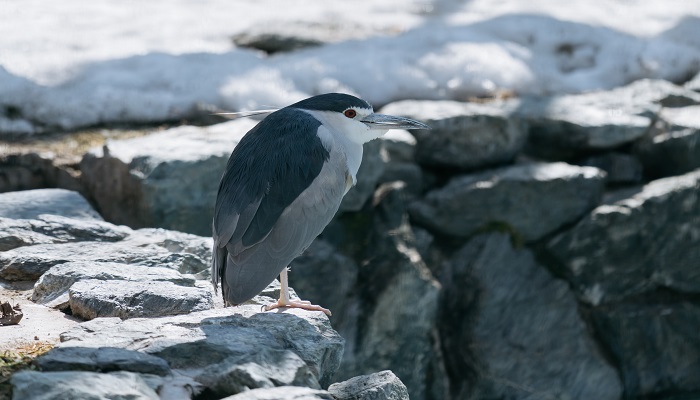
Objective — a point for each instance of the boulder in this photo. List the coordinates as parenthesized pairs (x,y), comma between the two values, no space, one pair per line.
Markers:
(80,385)
(464,136)
(89,299)
(30,204)
(36,170)
(693,84)
(673,147)
(635,243)
(283,393)
(48,228)
(620,168)
(531,200)
(382,385)
(101,359)
(509,329)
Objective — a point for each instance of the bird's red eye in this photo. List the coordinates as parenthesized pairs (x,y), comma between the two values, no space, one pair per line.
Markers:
(350,113)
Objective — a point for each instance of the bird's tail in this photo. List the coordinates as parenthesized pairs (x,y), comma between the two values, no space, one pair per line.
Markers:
(218,265)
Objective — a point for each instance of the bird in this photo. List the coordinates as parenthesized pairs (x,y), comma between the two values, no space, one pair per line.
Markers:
(282,185)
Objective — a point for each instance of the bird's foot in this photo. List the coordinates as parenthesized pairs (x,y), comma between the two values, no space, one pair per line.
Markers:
(303,304)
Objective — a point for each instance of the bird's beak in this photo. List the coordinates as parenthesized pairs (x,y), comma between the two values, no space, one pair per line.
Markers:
(382,121)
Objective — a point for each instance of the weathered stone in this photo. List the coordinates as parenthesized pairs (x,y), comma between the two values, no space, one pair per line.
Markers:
(532,200)
(654,341)
(619,167)
(382,385)
(80,386)
(399,145)
(368,175)
(30,204)
(52,288)
(47,228)
(693,84)
(283,393)
(101,359)
(199,247)
(464,136)
(518,334)
(264,369)
(673,147)
(26,171)
(167,179)
(637,243)
(89,299)
(199,340)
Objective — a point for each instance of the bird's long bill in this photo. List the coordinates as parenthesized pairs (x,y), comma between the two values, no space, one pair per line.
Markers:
(382,121)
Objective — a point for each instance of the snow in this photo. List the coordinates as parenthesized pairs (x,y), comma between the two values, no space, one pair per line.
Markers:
(73,64)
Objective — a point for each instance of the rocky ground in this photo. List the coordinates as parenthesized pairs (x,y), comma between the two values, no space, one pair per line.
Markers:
(523,248)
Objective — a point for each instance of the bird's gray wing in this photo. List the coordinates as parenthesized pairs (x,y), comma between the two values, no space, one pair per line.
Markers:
(273,163)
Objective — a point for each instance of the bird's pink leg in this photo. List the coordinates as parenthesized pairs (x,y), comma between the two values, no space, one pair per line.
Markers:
(284,300)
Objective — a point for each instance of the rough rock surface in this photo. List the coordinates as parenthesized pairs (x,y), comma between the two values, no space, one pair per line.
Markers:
(512,196)
(463,136)
(36,170)
(30,204)
(101,359)
(382,385)
(637,243)
(91,298)
(80,385)
(620,168)
(520,335)
(283,393)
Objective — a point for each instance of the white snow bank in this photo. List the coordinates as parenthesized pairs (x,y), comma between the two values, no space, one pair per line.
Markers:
(159,61)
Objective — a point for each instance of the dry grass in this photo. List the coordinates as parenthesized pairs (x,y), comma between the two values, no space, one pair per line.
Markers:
(18,359)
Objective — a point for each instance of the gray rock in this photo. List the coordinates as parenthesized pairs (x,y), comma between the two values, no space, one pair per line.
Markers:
(101,359)
(26,171)
(30,204)
(655,343)
(382,385)
(399,145)
(519,334)
(693,84)
(89,299)
(673,147)
(264,369)
(368,175)
(531,200)
(47,228)
(193,342)
(635,244)
(168,179)
(620,168)
(283,393)
(199,247)
(284,36)
(80,386)
(464,136)
(52,288)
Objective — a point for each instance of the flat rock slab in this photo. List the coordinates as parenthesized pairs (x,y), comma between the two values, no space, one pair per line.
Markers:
(640,242)
(101,359)
(81,385)
(283,393)
(48,228)
(382,385)
(532,200)
(196,343)
(30,204)
(464,136)
(520,335)
(89,299)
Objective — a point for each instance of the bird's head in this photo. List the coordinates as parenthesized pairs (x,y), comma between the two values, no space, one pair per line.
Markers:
(353,117)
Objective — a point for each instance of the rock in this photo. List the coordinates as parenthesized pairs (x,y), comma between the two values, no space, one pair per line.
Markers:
(532,200)
(30,204)
(464,136)
(47,228)
(266,368)
(399,145)
(89,299)
(567,126)
(635,244)
(52,288)
(654,342)
(519,334)
(368,175)
(283,393)
(38,170)
(693,84)
(284,36)
(80,386)
(382,385)
(101,359)
(620,168)
(673,147)
(167,179)
(210,340)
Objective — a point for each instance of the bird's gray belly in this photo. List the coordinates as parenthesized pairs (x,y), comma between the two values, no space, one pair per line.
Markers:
(250,271)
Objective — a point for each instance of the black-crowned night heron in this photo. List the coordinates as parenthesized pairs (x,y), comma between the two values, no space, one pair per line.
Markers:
(282,185)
